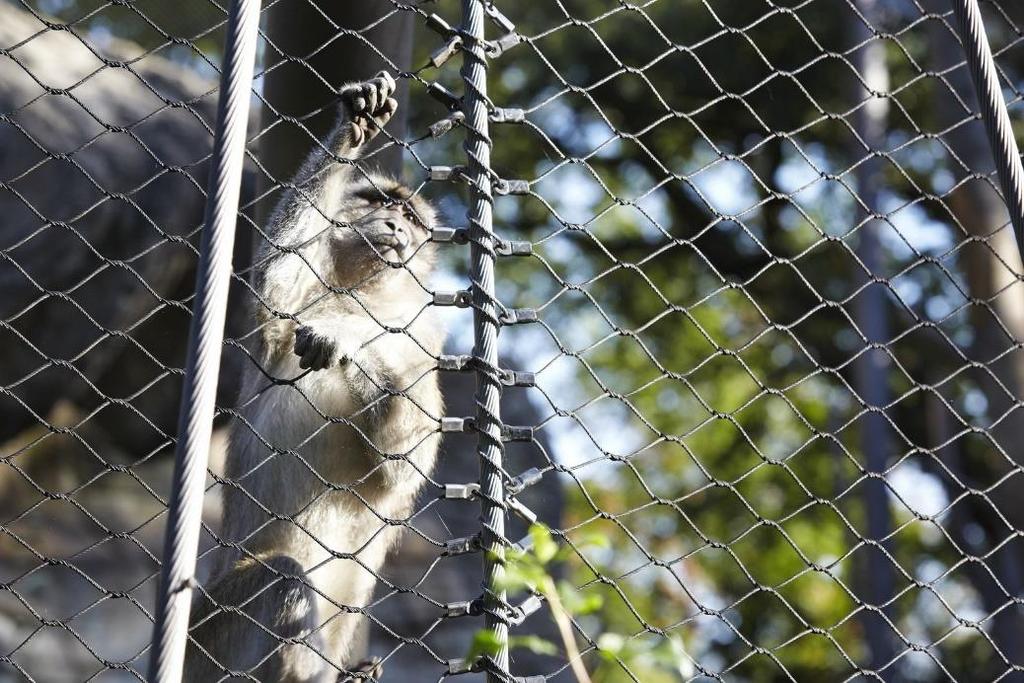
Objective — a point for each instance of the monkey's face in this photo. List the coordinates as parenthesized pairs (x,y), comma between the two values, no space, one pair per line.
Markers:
(387,225)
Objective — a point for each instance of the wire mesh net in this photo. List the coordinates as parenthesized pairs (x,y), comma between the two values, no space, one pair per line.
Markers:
(760,348)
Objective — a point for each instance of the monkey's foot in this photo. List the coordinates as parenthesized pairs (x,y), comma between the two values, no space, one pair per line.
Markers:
(367,670)
(369,106)
(316,351)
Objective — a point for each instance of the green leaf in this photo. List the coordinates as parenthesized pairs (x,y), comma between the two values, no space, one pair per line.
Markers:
(534,644)
(610,645)
(544,547)
(579,603)
(485,643)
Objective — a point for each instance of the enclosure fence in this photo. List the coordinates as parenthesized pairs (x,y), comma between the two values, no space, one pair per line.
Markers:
(734,367)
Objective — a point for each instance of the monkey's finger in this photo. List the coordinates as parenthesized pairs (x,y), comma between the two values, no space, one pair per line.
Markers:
(301,340)
(387,110)
(389,82)
(370,93)
(325,352)
(383,90)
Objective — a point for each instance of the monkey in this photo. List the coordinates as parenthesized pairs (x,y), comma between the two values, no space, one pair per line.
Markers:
(321,468)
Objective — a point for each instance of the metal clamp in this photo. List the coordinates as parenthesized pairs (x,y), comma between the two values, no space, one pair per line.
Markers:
(461,666)
(518,316)
(523,610)
(504,187)
(524,480)
(444,96)
(456,235)
(437,24)
(439,128)
(507,115)
(442,54)
(453,363)
(461,299)
(526,513)
(461,491)
(513,433)
(470,608)
(513,248)
(456,424)
(462,546)
(503,22)
(517,378)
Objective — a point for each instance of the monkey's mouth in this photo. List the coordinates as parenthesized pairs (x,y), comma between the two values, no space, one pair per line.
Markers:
(394,244)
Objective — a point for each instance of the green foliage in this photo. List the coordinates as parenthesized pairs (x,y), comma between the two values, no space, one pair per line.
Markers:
(695,223)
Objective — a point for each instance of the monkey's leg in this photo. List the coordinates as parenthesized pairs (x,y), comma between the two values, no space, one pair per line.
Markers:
(267,627)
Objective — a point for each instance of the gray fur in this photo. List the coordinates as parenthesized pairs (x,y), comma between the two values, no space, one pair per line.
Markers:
(342,308)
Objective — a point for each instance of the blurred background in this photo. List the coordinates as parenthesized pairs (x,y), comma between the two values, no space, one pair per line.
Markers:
(778,365)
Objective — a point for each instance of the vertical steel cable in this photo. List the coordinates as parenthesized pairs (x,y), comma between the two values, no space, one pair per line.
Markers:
(206,338)
(485,327)
(993,111)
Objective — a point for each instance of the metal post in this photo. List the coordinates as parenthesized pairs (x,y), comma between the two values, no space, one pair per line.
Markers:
(485,328)
(206,338)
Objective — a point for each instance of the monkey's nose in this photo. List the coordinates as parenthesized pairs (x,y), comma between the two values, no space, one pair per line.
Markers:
(392,226)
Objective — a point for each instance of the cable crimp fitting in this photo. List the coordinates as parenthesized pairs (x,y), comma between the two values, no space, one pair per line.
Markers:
(519,613)
(518,316)
(517,378)
(507,115)
(505,187)
(513,248)
(439,128)
(524,544)
(437,24)
(467,608)
(451,425)
(512,433)
(442,54)
(525,480)
(461,491)
(496,48)
(500,20)
(444,96)
(447,172)
(462,546)
(526,513)
(453,363)
(463,666)
(454,235)
(460,299)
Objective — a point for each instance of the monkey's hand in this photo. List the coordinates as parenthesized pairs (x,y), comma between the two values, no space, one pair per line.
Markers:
(365,671)
(368,106)
(317,351)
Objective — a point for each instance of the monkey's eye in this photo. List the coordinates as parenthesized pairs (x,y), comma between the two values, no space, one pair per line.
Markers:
(411,216)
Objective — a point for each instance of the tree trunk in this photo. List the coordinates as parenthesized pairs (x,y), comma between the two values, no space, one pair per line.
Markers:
(871,315)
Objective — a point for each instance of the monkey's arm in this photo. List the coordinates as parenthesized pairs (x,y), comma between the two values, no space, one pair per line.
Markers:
(376,365)
(287,271)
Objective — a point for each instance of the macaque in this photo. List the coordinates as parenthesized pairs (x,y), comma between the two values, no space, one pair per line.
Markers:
(321,466)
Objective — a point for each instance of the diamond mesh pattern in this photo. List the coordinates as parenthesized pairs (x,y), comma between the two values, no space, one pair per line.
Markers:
(765,315)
